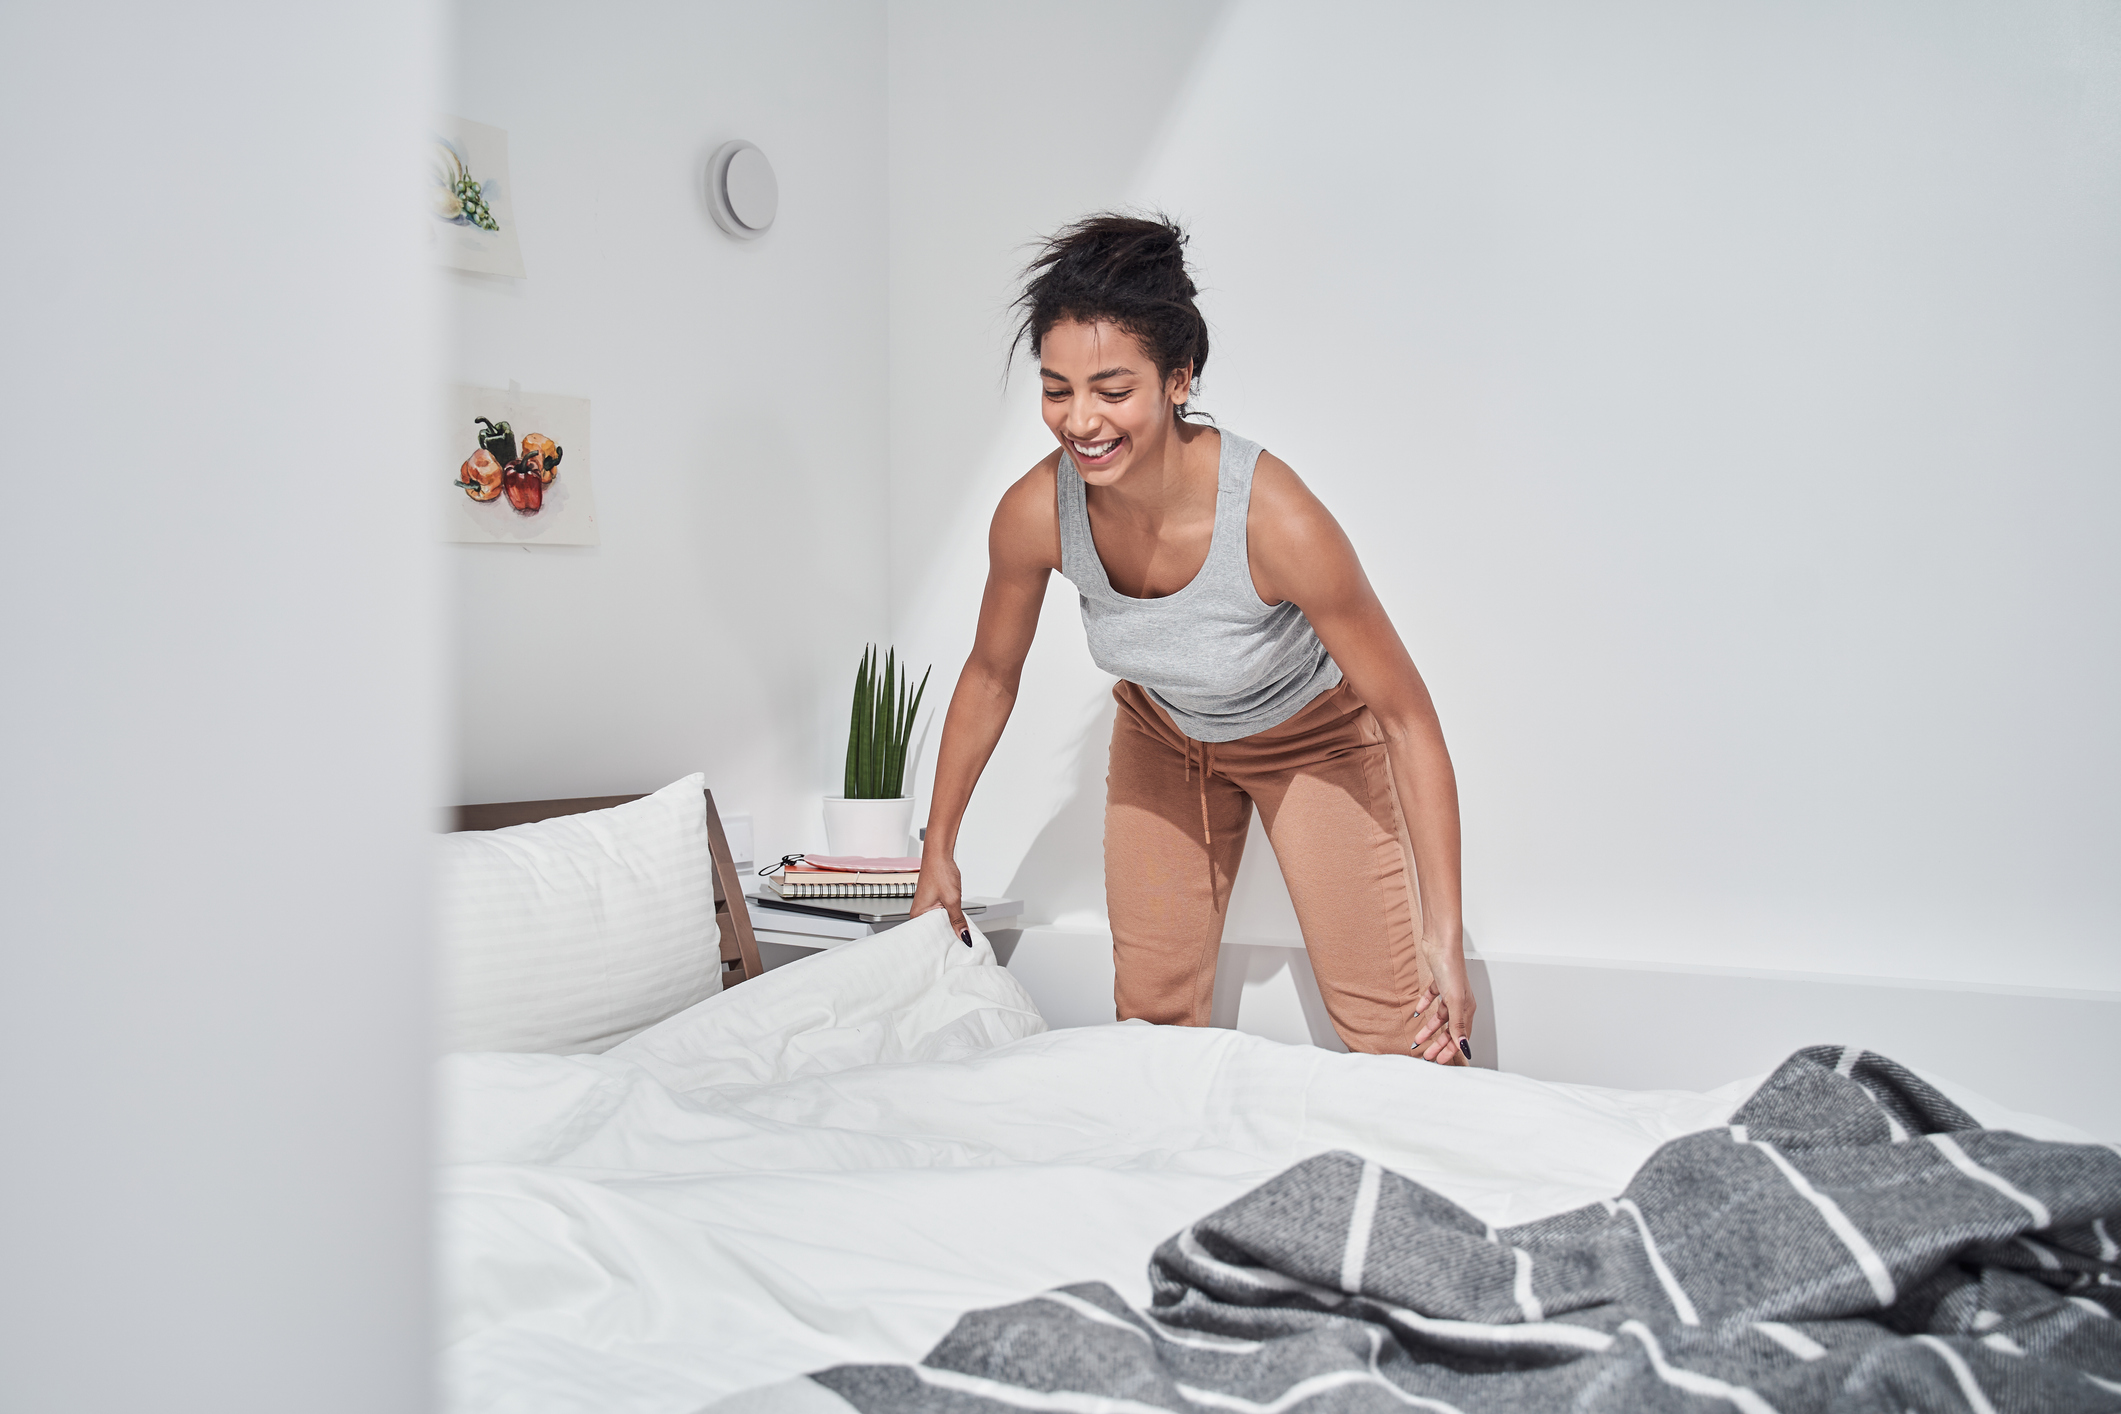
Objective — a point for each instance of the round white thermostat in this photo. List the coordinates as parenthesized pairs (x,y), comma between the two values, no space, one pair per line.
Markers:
(742,191)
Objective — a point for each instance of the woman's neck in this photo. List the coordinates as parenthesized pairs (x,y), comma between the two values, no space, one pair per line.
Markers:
(1165,485)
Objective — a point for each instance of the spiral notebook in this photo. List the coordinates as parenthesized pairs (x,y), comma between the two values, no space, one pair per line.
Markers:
(803,884)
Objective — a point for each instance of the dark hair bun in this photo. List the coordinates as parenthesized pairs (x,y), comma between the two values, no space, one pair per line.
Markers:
(1129,270)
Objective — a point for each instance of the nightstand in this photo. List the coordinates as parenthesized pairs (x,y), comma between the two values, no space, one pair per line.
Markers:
(785,936)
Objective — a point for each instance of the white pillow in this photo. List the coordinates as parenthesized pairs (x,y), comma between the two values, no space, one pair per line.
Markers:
(572,934)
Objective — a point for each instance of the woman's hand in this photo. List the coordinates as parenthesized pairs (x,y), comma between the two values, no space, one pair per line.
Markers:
(1444,1004)
(940,887)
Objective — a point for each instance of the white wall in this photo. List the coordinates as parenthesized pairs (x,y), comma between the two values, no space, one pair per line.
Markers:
(1720,398)
(738,402)
(220,699)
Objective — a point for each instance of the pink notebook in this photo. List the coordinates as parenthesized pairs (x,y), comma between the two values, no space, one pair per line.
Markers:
(863,864)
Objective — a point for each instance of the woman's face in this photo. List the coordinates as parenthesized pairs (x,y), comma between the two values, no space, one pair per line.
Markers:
(1103,399)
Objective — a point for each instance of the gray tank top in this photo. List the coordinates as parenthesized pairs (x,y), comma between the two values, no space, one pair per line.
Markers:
(1213,655)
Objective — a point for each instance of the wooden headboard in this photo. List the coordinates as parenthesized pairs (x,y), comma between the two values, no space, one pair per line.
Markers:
(740,946)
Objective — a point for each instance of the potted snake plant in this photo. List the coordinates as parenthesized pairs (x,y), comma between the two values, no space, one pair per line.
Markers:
(874,815)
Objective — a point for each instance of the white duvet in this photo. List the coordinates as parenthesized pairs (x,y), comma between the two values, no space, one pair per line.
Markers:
(835,1160)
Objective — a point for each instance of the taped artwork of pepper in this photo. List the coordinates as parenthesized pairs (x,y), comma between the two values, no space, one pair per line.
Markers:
(497,467)
(507,450)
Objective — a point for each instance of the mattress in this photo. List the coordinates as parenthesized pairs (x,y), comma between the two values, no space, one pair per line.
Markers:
(831,1163)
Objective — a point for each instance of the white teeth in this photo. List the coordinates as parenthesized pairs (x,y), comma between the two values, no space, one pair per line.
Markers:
(1094,450)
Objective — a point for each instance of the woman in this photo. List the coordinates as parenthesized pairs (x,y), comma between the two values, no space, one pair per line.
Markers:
(1257,666)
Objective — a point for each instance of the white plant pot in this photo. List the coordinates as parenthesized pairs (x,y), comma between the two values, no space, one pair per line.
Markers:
(879,829)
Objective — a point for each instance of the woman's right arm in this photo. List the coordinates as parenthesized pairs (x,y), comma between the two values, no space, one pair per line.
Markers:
(1023,548)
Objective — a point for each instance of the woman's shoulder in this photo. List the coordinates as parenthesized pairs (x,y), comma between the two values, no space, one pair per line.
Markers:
(1034,493)
(1027,521)
(1289,530)
(1281,500)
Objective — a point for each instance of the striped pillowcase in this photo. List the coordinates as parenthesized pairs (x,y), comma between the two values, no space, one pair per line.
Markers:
(570,935)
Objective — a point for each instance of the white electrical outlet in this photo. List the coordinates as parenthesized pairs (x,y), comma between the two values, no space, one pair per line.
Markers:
(738,829)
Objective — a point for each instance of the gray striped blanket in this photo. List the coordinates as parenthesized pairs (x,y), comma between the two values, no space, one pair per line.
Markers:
(1852,1241)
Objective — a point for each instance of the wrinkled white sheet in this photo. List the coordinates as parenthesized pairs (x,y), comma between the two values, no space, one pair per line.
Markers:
(833,1161)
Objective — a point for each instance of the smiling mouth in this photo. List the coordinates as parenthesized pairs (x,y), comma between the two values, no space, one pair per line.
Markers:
(1095,451)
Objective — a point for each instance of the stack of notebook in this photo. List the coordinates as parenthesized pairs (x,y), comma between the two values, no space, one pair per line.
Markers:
(828,876)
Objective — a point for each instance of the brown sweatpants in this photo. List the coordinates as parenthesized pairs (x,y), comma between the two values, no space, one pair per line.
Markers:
(1176,814)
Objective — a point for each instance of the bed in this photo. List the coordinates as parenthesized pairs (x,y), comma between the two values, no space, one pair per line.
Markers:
(831,1164)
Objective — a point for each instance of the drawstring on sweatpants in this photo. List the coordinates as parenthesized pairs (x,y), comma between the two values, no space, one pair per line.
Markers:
(1206,747)
(1207,835)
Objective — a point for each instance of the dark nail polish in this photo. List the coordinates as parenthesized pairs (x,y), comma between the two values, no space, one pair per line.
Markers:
(966,934)
(1465,1048)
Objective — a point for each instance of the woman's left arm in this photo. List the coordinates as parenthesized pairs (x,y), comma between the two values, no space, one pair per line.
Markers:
(1300,553)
